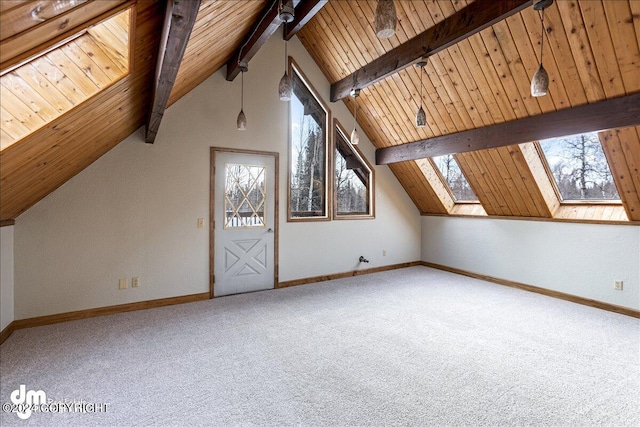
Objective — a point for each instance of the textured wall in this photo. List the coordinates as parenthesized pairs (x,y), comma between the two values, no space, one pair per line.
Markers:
(6,276)
(134,211)
(578,259)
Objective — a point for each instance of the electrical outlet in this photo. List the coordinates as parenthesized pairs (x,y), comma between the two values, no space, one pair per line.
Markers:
(122,284)
(384,252)
(617,285)
(135,282)
(200,222)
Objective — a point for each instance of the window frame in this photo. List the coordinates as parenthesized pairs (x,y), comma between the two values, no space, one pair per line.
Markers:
(448,187)
(293,67)
(576,202)
(338,129)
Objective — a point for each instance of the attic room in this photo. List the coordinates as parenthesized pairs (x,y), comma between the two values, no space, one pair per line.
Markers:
(312,212)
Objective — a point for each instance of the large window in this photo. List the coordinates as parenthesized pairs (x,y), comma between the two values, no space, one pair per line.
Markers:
(353,180)
(454,177)
(579,168)
(308,151)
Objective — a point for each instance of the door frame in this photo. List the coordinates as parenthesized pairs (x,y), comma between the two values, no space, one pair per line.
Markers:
(212,169)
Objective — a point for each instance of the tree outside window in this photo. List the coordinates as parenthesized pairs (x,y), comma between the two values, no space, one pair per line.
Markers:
(308,152)
(580,167)
(453,176)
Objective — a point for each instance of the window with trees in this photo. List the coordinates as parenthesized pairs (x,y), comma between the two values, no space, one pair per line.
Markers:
(308,151)
(579,168)
(454,177)
(353,179)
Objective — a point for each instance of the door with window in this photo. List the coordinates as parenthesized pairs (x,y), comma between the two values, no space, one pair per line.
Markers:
(244,213)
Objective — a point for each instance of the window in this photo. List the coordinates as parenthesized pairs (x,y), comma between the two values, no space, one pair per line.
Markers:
(353,180)
(308,151)
(454,177)
(245,192)
(579,168)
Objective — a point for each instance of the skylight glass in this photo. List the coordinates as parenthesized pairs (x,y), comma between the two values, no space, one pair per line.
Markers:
(580,168)
(452,174)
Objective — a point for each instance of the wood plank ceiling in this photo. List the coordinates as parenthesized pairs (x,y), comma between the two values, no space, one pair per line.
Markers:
(48,157)
(592,53)
(45,88)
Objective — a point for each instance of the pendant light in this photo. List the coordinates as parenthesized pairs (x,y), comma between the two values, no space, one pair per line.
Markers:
(385,19)
(421,117)
(540,81)
(355,138)
(242,119)
(285,88)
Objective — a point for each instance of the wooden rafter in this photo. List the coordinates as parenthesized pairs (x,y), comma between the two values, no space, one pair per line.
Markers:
(266,25)
(459,26)
(180,16)
(304,12)
(610,114)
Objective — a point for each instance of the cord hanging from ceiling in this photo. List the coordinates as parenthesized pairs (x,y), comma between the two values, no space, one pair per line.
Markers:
(540,80)
(421,117)
(355,138)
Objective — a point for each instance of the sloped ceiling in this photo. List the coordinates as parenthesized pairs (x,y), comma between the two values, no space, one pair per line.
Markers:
(46,159)
(591,53)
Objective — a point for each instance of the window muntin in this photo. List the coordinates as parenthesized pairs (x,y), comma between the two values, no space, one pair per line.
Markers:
(453,176)
(579,168)
(308,151)
(353,180)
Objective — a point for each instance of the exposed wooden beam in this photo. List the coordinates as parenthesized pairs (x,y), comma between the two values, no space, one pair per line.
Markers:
(180,16)
(459,26)
(304,12)
(610,114)
(266,25)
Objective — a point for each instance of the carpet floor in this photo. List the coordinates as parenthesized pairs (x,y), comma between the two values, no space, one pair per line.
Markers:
(410,347)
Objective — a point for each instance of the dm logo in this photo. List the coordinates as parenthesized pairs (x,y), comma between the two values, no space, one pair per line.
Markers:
(26,400)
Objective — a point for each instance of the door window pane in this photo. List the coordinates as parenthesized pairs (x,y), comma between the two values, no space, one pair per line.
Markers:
(245,193)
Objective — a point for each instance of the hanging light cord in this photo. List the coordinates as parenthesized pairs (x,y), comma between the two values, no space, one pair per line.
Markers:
(242,93)
(285,51)
(421,72)
(542,38)
(254,30)
(355,114)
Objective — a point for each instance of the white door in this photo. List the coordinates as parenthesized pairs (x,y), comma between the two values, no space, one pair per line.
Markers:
(244,222)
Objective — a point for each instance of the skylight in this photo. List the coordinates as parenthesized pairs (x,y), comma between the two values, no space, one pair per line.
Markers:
(579,167)
(454,177)
(39,91)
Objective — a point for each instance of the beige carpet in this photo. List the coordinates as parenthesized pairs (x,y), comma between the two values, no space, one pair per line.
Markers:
(407,347)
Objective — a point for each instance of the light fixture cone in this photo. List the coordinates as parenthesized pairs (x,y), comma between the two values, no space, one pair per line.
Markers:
(355,138)
(285,89)
(421,118)
(242,121)
(540,82)
(286,13)
(385,19)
